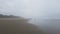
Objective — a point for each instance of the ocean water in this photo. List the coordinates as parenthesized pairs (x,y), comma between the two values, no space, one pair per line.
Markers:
(51,26)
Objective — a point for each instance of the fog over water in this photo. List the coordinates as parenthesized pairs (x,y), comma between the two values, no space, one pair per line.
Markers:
(43,12)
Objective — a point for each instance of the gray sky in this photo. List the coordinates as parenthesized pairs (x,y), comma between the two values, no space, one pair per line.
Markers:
(31,8)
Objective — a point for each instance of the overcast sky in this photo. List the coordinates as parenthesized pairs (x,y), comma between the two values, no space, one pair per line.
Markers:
(31,8)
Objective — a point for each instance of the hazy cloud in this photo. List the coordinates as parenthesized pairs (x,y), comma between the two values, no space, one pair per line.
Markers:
(31,8)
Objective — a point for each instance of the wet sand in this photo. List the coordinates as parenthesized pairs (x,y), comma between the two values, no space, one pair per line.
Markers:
(18,27)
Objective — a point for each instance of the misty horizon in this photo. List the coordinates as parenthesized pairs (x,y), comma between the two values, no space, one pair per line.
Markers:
(44,13)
